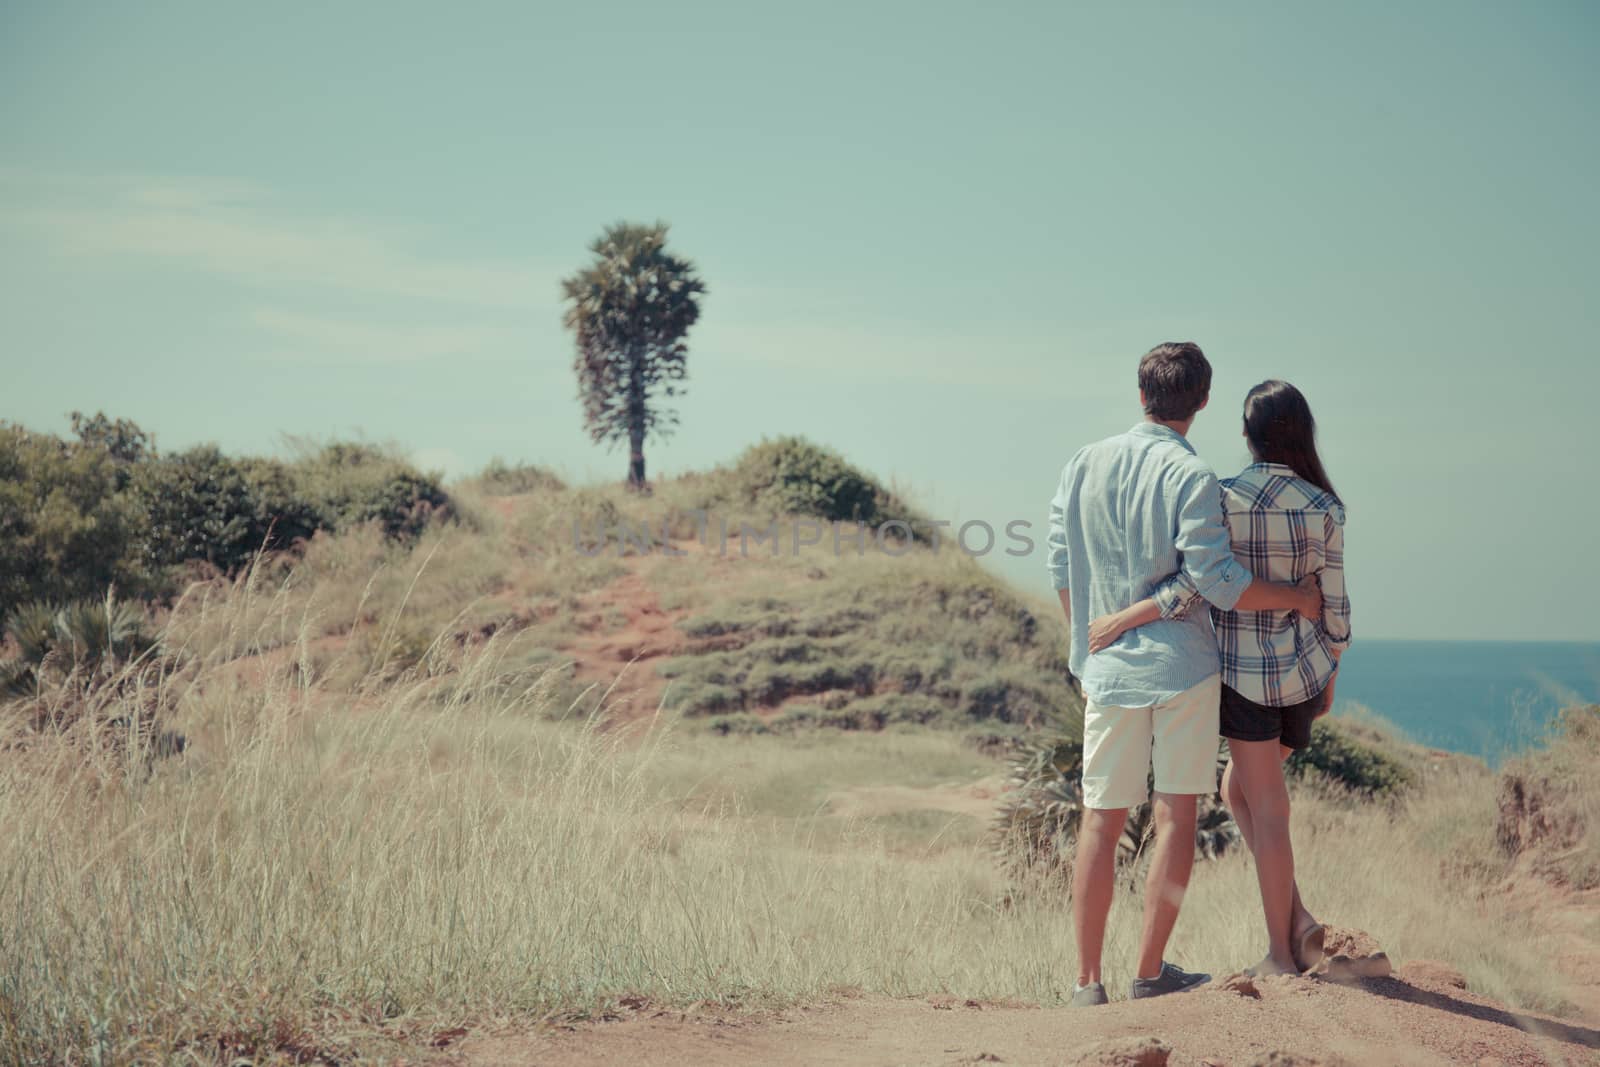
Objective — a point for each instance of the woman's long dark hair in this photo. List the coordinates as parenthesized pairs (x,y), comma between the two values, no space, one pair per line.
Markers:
(1280,429)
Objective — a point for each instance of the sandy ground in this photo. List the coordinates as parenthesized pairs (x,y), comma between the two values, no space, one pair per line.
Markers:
(1417,1016)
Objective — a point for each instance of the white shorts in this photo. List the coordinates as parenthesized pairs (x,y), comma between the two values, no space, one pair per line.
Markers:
(1177,737)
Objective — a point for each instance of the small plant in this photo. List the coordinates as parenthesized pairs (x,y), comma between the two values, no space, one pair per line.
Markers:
(85,638)
(17,679)
(1341,754)
(1039,818)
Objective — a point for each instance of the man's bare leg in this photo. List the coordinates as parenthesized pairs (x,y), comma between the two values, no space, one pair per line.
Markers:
(1164,887)
(1094,876)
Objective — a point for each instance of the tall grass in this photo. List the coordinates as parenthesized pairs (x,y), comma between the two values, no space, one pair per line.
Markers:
(424,845)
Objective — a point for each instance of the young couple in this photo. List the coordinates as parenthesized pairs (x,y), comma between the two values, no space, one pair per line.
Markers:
(1141,531)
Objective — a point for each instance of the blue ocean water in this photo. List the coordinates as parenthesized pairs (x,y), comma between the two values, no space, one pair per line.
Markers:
(1487,698)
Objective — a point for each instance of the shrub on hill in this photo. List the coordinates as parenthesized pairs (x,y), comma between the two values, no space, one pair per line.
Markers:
(203,505)
(501,479)
(1354,757)
(66,528)
(78,517)
(792,476)
(351,484)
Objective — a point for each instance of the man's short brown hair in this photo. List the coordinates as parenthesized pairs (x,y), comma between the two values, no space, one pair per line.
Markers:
(1175,380)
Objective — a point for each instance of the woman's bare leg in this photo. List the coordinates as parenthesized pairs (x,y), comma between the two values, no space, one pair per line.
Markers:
(1239,807)
(1303,919)
(1256,774)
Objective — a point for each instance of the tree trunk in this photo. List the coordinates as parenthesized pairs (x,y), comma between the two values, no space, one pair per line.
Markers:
(636,456)
(636,423)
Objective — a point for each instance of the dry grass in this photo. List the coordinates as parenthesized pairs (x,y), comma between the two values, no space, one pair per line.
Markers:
(1550,803)
(335,862)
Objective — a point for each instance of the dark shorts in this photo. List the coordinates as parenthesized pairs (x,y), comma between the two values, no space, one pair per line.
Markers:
(1245,720)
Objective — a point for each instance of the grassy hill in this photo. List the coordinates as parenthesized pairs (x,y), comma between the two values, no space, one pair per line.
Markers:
(430,782)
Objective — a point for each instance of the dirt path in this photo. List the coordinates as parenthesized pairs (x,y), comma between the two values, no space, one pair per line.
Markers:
(625,631)
(1416,1017)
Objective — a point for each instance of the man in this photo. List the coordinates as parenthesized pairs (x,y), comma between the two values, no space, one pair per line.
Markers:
(1130,511)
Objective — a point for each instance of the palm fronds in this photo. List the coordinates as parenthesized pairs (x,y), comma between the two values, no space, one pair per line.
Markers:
(1037,824)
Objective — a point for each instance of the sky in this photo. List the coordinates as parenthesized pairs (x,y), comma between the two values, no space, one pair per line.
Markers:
(936,237)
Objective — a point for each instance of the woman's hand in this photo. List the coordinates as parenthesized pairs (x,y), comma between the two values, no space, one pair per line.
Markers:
(1105,630)
(1327,695)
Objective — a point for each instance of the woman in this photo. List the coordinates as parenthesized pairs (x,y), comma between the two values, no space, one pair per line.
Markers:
(1278,668)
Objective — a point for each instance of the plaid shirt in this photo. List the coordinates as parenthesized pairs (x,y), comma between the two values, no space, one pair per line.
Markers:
(1283,528)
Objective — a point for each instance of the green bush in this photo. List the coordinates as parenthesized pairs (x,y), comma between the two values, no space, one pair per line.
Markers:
(1341,754)
(352,484)
(203,505)
(499,479)
(78,517)
(280,502)
(67,530)
(792,476)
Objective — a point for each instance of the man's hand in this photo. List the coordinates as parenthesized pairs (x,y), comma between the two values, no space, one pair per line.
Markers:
(1310,597)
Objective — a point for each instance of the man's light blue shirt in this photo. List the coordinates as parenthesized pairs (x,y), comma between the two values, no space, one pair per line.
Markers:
(1130,511)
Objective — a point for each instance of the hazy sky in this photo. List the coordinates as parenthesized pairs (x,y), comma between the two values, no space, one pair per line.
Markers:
(937,237)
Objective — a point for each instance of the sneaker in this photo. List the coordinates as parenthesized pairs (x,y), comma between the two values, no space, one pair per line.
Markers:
(1087,996)
(1170,980)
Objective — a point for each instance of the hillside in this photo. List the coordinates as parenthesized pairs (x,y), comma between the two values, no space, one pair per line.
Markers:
(484,798)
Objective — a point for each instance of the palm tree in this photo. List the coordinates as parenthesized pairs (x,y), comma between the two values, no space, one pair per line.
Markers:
(629,311)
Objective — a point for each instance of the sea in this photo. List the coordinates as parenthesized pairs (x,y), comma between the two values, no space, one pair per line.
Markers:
(1487,698)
